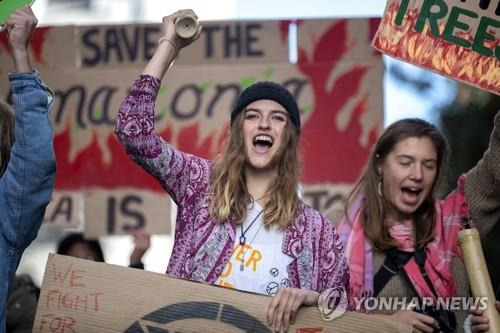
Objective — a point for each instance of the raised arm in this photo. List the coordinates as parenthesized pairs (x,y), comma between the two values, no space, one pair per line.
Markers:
(135,122)
(482,185)
(26,185)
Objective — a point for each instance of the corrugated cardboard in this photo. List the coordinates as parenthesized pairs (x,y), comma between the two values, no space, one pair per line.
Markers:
(337,82)
(83,296)
(50,48)
(221,42)
(121,211)
(64,209)
(454,38)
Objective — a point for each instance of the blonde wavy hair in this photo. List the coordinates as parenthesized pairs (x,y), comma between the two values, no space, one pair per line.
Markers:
(7,122)
(229,189)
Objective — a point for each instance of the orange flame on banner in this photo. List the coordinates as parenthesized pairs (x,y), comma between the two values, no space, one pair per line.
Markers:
(431,52)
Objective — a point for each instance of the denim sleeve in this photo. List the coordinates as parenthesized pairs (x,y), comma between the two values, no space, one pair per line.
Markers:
(26,185)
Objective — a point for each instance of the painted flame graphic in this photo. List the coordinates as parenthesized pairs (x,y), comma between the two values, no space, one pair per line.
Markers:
(428,51)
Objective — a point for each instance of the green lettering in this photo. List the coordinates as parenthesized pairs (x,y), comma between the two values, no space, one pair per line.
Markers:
(427,15)
(453,23)
(482,35)
(401,12)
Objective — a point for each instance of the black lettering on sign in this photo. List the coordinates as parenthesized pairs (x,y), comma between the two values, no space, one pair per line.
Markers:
(252,39)
(150,40)
(220,91)
(127,207)
(111,215)
(98,113)
(121,44)
(193,93)
(97,105)
(234,40)
(92,105)
(87,41)
(127,211)
(64,96)
(209,40)
(199,310)
(63,209)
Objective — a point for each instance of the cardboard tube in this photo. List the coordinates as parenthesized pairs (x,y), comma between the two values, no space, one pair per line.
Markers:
(477,272)
(186,26)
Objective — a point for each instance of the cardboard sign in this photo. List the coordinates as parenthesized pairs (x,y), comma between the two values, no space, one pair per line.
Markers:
(49,48)
(454,38)
(64,209)
(220,43)
(337,83)
(346,79)
(119,212)
(84,296)
(7,7)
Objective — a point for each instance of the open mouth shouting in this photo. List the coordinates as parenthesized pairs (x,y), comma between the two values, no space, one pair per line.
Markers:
(262,143)
(410,194)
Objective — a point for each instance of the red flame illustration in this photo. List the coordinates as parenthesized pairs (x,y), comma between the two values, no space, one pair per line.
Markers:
(36,43)
(89,169)
(331,155)
(434,53)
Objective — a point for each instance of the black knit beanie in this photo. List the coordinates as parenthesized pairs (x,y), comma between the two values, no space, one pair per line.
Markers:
(272,91)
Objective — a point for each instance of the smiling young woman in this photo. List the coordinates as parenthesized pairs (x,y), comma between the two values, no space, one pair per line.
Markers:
(240,222)
(400,240)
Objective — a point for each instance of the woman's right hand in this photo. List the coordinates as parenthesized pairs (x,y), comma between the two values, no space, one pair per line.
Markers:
(169,45)
(419,322)
(168,27)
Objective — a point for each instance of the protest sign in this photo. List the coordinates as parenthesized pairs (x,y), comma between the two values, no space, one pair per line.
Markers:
(80,295)
(455,38)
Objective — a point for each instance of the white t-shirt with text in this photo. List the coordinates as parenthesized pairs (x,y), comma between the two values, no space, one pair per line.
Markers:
(259,265)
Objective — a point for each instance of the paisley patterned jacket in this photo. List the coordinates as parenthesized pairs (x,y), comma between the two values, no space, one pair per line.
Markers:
(203,247)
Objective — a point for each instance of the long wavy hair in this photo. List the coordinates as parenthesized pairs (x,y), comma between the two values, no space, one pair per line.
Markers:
(376,206)
(229,188)
(7,122)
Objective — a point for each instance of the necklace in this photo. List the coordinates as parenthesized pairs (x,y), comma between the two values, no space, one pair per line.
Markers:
(242,264)
(243,239)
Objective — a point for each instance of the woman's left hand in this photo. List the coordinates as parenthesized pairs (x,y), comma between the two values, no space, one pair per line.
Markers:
(284,305)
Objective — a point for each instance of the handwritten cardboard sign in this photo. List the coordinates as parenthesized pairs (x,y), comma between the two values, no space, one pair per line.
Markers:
(456,38)
(84,296)
(221,42)
(337,82)
(121,211)
(64,209)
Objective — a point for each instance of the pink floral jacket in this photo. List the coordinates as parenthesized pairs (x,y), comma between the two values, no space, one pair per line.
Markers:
(203,247)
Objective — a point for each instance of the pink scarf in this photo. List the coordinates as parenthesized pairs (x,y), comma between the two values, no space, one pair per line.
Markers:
(439,251)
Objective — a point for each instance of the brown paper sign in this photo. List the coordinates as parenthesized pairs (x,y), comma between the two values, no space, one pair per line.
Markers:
(121,211)
(84,296)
